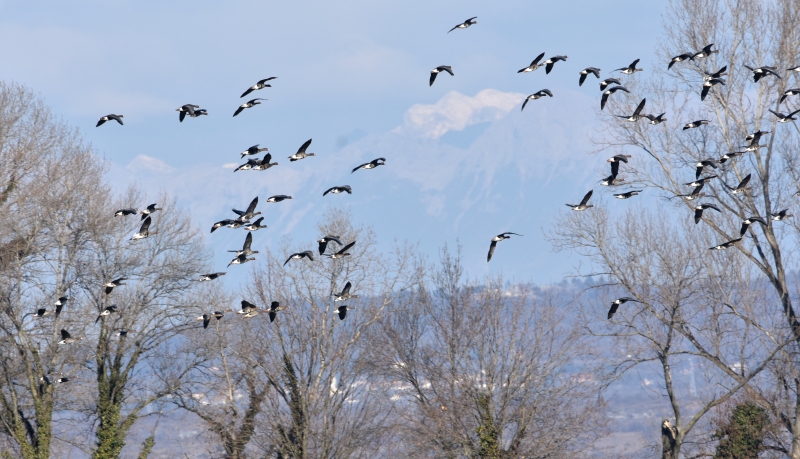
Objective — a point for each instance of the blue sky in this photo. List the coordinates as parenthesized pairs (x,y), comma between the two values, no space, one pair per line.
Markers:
(463,163)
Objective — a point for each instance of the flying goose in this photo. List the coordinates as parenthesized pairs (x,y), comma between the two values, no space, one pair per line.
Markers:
(345,294)
(323,243)
(265,163)
(250,212)
(122,333)
(54,378)
(248,241)
(718,74)
(221,223)
(117,118)
(780,215)
(199,112)
(534,65)
(342,252)
(495,240)
(612,179)
(278,198)
(742,186)
(583,205)
(66,338)
(724,158)
(695,194)
(248,104)
(342,311)
(609,81)
(618,158)
(106,312)
(705,52)
(255,226)
(372,164)
(144,230)
(700,181)
(726,245)
(254,150)
(183,110)
(755,137)
(656,119)
(585,72)
(695,124)
(296,256)
(761,72)
(241,259)
(465,24)
(628,194)
(678,58)
(708,84)
(789,92)
(248,309)
(703,164)
(698,211)
(537,95)
(631,69)
(636,116)
(273,310)
(301,152)
(748,221)
(784,118)
(339,189)
(260,85)
(206,318)
(211,276)
(549,63)
(126,212)
(149,210)
(439,69)
(237,223)
(249,165)
(610,91)
(41,312)
(60,303)
(616,303)
(115,283)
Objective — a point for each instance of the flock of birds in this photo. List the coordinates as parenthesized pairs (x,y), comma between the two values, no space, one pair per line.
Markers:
(608,87)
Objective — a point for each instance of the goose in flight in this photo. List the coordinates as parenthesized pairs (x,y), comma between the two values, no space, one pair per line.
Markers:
(117,118)
(748,221)
(60,303)
(718,74)
(708,84)
(616,303)
(784,118)
(372,164)
(206,318)
(495,240)
(678,58)
(278,198)
(339,189)
(705,52)
(241,259)
(248,309)
(254,150)
(187,109)
(149,210)
(537,95)
(609,81)
(144,230)
(54,378)
(126,212)
(700,181)
(265,163)
(323,243)
(273,310)
(66,338)
(761,72)
(611,180)
(248,104)
(618,158)
(608,92)
(652,119)
(211,276)
(583,205)
(301,152)
(115,283)
(695,124)
(342,311)
(106,312)
(250,164)
(41,312)
(465,24)
(703,164)
(345,294)
(780,215)
(755,137)
(724,158)
(698,211)
(248,241)
(636,116)
(631,69)
(585,72)
(726,245)
(227,222)
(438,70)
(534,65)
(255,226)
(549,63)
(628,194)
(742,186)
(695,194)
(342,252)
(122,333)
(250,212)
(789,92)
(296,256)
(260,85)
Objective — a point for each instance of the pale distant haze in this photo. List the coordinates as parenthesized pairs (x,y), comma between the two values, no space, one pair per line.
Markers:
(462,162)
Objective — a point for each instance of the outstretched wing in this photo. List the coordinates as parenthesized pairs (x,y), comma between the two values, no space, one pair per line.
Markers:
(305,146)
(587,197)
(640,107)
(492,248)
(346,248)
